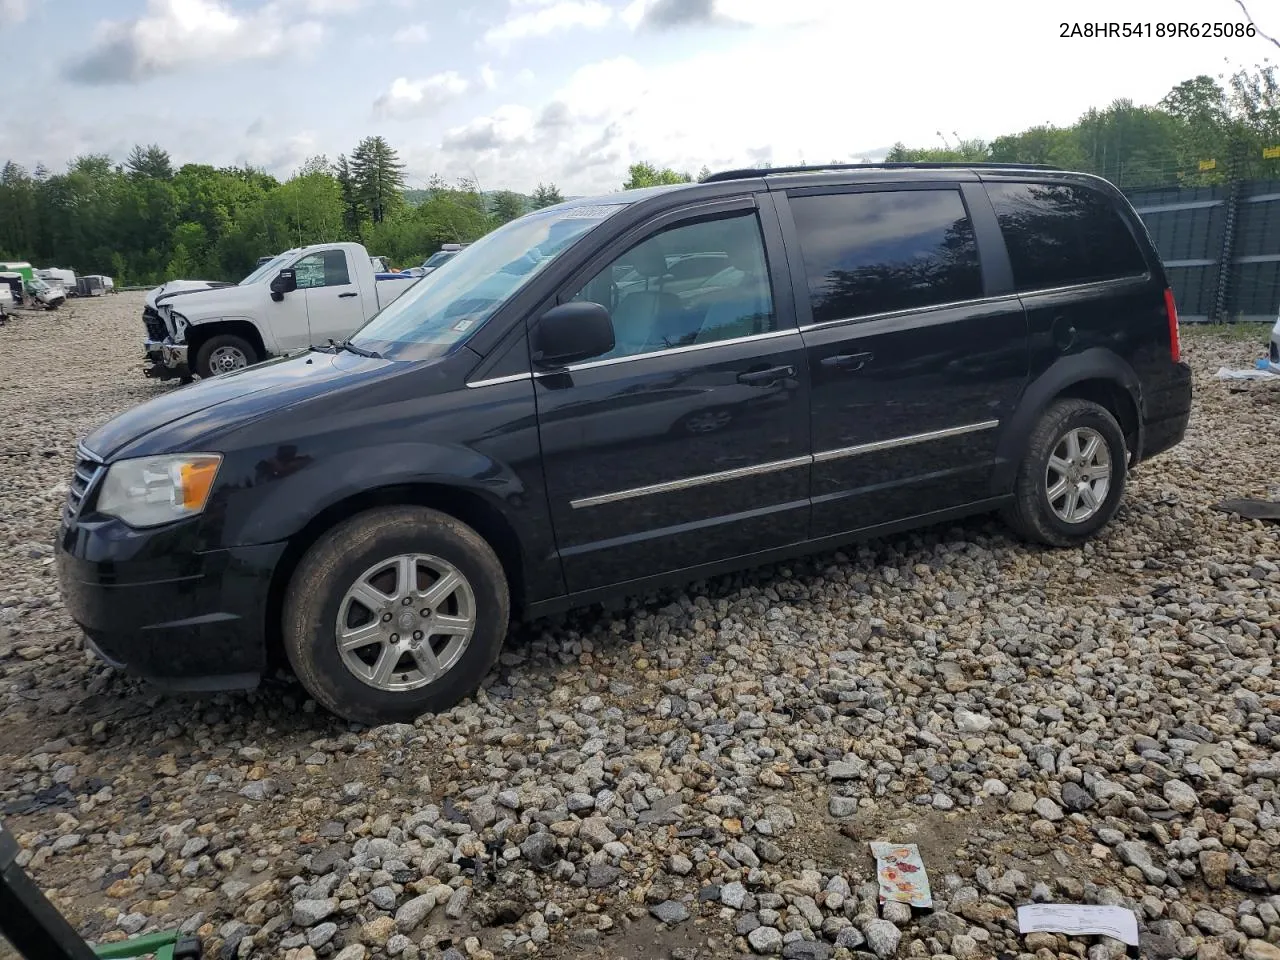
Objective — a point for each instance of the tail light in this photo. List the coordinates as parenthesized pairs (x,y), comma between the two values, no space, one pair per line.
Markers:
(1171,308)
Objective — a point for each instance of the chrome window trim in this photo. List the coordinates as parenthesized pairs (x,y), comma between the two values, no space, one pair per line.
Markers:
(773,466)
(592,364)
(858,449)
(1134,279)
(494,381)
(909,311)
(685,483)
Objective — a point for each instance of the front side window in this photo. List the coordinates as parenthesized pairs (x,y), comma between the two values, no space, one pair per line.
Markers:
(689,284)
(328,268)
(1060,234)
(871,253)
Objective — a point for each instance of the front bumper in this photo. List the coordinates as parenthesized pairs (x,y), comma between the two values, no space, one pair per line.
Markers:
(166,360)
(183,619)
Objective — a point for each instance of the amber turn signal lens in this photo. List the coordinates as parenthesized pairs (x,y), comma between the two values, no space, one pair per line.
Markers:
(197,477)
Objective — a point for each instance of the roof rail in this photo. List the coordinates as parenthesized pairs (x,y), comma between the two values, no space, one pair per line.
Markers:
(750,172)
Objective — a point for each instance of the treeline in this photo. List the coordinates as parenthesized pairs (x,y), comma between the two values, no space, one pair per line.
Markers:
(144,222)
(1202,132)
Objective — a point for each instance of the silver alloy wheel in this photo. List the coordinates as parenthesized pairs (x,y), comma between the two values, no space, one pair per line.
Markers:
(226,359)
(405,622)
(1078,475)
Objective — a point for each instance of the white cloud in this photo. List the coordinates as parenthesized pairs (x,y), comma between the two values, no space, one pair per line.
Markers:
(416,98)
(176,34)
(414,33)
(488,77)
(672,14)
(543,19)
(14,11)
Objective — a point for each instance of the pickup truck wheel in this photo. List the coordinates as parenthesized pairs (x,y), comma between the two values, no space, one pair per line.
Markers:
(1072,478)
(394,613)
(223,353)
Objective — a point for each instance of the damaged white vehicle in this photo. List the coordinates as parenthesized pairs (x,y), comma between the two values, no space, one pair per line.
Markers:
(309,295)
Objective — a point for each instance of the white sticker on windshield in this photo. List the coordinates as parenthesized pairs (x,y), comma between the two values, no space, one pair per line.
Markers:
(462,325)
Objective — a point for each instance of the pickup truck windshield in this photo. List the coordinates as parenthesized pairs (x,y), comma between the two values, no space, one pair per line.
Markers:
(275,263)
(449,304)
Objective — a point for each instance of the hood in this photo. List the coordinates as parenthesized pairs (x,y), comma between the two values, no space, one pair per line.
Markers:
(168,289)
(231,398)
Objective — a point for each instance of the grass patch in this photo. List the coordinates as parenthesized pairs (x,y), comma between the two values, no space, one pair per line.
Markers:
(1259,333)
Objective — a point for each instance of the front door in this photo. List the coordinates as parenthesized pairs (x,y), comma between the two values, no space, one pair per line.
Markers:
(917,350)
(689,442)
(334,307)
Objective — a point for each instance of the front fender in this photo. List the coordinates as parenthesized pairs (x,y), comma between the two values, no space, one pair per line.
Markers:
(289,493)
(205,323)
(1095,363)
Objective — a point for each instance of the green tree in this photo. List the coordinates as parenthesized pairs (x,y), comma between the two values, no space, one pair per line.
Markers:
(645,174)
(507,206)
(546,195)
(378,178)
(149,161)
(352,213)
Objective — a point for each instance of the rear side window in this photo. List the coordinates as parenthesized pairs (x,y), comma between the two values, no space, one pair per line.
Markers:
(1060,235)
(869,253)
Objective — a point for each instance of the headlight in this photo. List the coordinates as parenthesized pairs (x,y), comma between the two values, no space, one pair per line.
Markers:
(148,491)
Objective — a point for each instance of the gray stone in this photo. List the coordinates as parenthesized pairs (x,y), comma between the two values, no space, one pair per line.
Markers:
(540,850)
(413,912)
(309,912)
(882,937)
(670,912)
(765,940)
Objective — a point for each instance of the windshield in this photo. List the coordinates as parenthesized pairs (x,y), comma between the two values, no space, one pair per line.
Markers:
(273,264)
(38,285)
(451,302)
(438,258)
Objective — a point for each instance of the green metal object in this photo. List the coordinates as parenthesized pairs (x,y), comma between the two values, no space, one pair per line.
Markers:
(160,944)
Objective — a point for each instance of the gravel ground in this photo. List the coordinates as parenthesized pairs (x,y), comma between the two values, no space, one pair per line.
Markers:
(696,773)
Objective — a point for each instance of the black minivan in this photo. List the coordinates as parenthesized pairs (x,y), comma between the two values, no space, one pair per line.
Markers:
(616,392)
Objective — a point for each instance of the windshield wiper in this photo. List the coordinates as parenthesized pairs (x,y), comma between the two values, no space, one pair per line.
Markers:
(359,351)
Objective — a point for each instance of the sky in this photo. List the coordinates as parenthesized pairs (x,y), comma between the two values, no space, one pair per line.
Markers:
(518,92)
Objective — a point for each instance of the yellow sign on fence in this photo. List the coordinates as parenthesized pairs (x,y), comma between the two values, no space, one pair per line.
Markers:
(1208,164)
(1270,153)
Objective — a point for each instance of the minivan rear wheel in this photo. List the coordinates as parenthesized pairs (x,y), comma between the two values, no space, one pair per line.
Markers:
(1070,483)
(396,612)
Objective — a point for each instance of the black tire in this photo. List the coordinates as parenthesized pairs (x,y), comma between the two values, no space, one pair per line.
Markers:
(336,562)
(204,356)
(1031,514)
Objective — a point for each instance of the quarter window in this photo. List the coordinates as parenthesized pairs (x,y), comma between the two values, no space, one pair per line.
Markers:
(879,252)
(690,284)
(1060,235)
(328,268)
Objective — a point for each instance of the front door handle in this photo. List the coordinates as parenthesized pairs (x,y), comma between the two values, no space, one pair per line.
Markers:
(764,378)
(342,295)
(848,362)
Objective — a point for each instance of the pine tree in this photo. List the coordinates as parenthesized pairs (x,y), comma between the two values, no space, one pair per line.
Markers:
(546,195)
(378,177)
(350,204)
(149,161)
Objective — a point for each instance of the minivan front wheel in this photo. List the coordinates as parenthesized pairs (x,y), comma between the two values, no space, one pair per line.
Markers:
(396,612)
(1070,483)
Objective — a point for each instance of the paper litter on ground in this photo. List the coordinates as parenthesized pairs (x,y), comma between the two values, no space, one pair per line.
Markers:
(1077,920)
(901,874)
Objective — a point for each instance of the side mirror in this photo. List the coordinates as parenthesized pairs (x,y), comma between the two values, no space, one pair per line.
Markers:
(284,282)
(572,332)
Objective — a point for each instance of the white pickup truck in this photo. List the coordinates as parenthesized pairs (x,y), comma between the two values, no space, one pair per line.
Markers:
(306,296)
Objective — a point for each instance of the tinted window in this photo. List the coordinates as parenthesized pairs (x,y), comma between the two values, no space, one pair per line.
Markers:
(325,269)
(867,253)
(1059,235)
(654,309)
